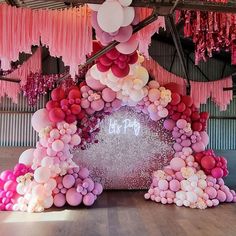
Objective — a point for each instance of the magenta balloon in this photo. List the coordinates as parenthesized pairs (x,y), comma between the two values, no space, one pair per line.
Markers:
(217,172)
(124,34)
(169,124)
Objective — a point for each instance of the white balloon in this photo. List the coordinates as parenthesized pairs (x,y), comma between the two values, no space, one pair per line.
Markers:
(94,7)
(27,157)
(129,14)
(110,16)
(48,202)
(125,3)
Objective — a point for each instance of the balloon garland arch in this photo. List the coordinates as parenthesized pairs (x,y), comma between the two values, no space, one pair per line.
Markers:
(47,175)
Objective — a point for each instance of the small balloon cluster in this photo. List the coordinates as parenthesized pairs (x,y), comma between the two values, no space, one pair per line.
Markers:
(76,187)
(181,107)
(117,62)
(65,105)
(8,186)
(93,101)
(154,104)
(185,184)
(212,164)
(130,89)
(110,26)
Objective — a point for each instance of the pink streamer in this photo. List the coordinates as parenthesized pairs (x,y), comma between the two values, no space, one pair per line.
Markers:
(32,65)
(144,35)
(67,33)
(200,91)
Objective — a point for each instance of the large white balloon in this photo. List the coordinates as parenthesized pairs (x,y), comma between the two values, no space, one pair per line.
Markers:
(110,16)
(125,3)
(27,157)
(40,120)
(129,14)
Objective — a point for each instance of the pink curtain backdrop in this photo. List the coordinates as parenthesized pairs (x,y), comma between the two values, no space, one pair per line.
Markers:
(67,33)
(33,64)
(200,91)
(144,35)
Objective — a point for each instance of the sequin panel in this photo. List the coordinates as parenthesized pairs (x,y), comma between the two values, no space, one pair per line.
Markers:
(130,147)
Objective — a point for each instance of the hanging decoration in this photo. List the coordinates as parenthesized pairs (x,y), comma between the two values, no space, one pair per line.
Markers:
(200,91)
(20,28)
(211,32)
(32,65)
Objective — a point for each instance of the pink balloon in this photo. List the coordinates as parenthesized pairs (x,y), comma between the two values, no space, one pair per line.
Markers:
(221,196)
(59,200)
(84,173)
(124,34)
(181,123)
(204,137)
(177,163)
(163,113)
(116,104)
(153,94)
(128,47)
(88,199)
(40,120)
(107,20)
(174,185)
(93,83)
(97,189)
(85,103)
(108,95)
(68,181)
(198,147)
(212,193)
(57,145)
(169,124)
(73,198)
(163,184)
(97,105)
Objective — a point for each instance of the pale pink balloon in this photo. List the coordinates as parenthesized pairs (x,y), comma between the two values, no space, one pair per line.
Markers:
(93,83)
(124,34)
(181,123)
(125,3)
(75,140)
(163,113)
(57,145)
(177,163)
(42,174)
(116,104)
(128,47)
(110,16)
(153,94)
(40,120)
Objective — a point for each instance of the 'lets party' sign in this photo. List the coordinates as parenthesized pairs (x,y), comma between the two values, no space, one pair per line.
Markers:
(124,126)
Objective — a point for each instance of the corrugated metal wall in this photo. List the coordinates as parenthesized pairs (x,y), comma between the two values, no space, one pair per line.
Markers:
(15,122)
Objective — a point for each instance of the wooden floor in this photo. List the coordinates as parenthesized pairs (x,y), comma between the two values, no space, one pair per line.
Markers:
(123,213)
(115,213)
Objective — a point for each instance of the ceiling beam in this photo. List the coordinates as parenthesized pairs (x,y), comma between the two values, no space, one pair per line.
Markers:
(165,5)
